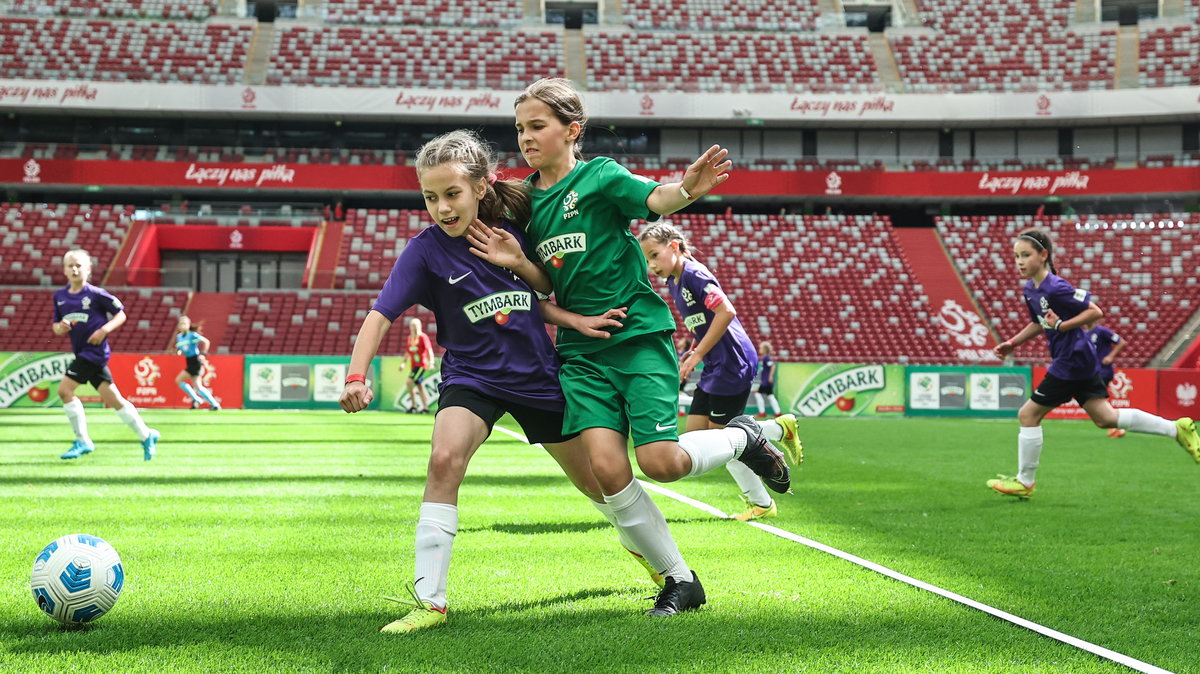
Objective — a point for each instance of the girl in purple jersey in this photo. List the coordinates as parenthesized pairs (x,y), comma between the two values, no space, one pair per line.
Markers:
(1061,311)
(721,345)
(1108,344)
(88,314)
(498,357)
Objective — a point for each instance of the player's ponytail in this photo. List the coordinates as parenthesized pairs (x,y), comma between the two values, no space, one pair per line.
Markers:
(502,199)
(663,233)
(1040,240)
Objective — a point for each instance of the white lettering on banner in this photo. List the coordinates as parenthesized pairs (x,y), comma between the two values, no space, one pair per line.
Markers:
(279,173)
(1074,180)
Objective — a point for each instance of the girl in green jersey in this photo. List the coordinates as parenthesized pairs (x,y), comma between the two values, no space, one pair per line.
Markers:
(624,384)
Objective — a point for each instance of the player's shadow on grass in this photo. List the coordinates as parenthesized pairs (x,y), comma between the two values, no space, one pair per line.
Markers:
(75,480)
(535,528)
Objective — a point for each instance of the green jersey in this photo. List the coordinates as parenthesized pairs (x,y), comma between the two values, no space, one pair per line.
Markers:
(580,231)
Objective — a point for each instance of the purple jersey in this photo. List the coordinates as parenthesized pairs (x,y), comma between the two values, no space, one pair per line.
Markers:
(87,310)
(766,376)
(729,367)
(1072,355)
(1104,340)
(487,319)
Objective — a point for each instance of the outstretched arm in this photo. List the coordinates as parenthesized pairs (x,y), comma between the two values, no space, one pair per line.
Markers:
(710,170)
(357,395)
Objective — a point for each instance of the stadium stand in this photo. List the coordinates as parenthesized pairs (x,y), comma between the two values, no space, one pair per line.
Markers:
(831,289)
(309,322)
(1143,276)
(1006,45)
(34,237)
(740,15)
(372,240)
(494,13)
(412,57)
(140,9)
(731,62)
(67,49)
(1170,56)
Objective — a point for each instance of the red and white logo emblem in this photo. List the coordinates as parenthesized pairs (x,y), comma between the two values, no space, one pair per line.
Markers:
(833,183)
(33,172)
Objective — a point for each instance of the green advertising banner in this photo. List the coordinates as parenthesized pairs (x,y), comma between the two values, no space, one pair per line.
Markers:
(31,380)
(393,378)
(308,382)
(840,389)
(966,391)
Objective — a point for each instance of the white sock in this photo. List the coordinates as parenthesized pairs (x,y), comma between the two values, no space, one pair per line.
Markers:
(1029,451)
(606,510)
(772,430)
(133,420)
(78,419)
(758,403)
(647,528)
(772,405)
(1144,422)
(436,528)
(750,483)
(712,448)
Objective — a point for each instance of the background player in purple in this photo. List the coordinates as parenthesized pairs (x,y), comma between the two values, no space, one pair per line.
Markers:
(765,395)
(722,345)
(498,356)
(89,314)
(1060,311)
(1108,344)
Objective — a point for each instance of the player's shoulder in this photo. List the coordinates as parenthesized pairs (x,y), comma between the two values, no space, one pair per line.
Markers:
(694,267)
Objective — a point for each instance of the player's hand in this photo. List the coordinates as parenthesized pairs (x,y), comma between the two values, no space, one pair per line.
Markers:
(495,245)
(355,397)
(594,326)
(1107,360)
(62,327)
(689,363)
(97,336)
(1003,349)
(1051,318)
(710,170)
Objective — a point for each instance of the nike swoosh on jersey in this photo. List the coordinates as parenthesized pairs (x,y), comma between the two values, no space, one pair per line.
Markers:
(453,280)
(60,303)
(660,427)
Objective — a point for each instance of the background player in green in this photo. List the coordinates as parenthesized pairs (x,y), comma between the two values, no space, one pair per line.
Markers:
(626,384)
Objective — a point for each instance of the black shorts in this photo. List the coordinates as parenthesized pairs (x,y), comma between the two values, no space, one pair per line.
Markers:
(194,365)
(417,374)
(1053,391)
(767,390)
(718,409)
(85,371)
(539,425)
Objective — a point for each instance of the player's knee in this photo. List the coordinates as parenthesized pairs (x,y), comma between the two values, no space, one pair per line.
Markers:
(660,469)
(446,466)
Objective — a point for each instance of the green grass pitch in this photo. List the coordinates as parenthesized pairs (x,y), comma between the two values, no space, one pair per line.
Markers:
(262,541)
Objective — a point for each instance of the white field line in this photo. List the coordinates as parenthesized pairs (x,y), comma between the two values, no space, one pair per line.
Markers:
(1100,651)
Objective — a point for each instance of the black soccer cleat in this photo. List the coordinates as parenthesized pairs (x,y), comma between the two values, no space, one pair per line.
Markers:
(677,597)
(762,457)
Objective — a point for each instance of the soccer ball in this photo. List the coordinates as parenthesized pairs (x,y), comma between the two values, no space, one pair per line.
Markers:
(77,578)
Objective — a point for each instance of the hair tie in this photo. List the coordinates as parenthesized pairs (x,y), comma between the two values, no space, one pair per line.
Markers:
(491,178)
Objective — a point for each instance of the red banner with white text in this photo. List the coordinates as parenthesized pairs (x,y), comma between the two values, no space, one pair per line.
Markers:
(1131,388)
(214,175)
(148,380)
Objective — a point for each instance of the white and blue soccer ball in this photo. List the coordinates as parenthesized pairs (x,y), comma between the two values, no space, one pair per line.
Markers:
(77,578)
